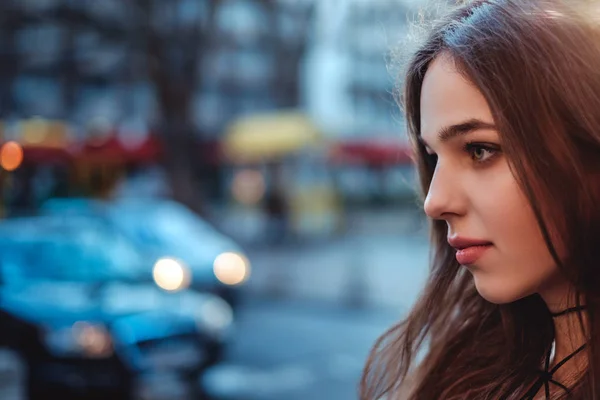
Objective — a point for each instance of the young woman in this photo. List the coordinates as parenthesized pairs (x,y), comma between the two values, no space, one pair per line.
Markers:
(503,107)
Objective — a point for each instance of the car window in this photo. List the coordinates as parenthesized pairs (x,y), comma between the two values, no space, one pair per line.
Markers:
(84,256)
(170,226)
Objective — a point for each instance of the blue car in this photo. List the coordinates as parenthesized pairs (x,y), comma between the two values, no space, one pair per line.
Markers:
(168,230)
(79,307)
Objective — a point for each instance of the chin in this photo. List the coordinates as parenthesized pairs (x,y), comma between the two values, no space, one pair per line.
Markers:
(498,293)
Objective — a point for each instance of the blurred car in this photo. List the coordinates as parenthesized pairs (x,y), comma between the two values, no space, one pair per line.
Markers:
(166,229)
(81,310)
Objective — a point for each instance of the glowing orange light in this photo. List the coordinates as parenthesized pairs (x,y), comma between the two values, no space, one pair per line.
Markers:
(11,156)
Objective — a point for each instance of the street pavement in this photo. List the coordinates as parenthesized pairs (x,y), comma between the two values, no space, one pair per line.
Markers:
(381,260)
(297,350)
(314,309)
(362,271)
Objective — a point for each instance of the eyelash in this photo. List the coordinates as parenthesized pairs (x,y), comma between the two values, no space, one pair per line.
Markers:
(471,147)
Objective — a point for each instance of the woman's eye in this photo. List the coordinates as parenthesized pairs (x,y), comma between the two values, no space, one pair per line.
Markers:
(481,153)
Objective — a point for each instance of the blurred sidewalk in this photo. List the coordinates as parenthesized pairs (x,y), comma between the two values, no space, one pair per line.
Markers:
(380,260)
(247,226)
(358,271)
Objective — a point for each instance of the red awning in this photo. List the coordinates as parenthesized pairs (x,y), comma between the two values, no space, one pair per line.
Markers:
(375,153)
(46,155)
(148,152)
(112,151)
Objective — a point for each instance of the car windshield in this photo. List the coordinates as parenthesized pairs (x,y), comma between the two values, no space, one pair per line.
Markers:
(84,255)
(166,226)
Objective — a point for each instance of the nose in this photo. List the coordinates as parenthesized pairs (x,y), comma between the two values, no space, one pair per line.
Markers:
(444,197)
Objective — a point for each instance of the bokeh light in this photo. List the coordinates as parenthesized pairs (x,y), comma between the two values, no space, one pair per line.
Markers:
(11,156)
(35,131)
(248,186)
(231,268)
(170,274)
(94,340)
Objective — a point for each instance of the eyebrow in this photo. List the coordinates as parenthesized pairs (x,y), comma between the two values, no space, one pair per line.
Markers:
(463,128)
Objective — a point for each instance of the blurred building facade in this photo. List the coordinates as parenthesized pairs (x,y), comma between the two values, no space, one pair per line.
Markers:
(184,70)
(77,60)
(348,72)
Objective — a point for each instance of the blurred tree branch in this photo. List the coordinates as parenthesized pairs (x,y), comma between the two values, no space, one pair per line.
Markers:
(173,54)
(9,62)
(166,48)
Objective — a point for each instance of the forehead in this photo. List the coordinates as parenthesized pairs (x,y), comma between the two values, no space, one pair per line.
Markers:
(448,98)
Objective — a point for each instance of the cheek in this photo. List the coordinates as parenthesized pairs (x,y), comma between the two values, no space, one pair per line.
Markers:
(516,231)
(521,262)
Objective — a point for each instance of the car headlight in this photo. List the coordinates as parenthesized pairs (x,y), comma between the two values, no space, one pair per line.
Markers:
(231,268)
(171,274)
(215,315)
(82,338)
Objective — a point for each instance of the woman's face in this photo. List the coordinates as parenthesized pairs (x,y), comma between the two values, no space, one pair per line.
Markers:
(473,189)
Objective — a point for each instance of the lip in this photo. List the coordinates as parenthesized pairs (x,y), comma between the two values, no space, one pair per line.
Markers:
(468,251)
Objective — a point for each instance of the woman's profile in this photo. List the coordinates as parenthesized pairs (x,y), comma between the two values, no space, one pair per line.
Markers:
(502,102)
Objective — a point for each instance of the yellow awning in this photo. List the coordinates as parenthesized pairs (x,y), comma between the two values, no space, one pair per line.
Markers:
(269,136)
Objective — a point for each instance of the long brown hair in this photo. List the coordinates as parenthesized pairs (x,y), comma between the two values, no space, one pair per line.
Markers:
(538,65)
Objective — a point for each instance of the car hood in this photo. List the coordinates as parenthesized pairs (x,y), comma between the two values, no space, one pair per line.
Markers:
(63,303)
(198,257)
